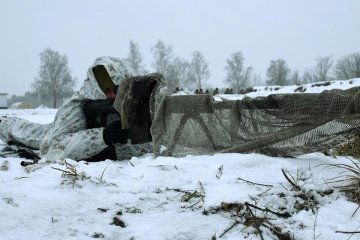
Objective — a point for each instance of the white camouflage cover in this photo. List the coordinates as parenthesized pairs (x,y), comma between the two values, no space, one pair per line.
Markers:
(67,136)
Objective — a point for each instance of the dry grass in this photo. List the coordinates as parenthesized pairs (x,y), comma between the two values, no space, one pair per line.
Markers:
(348,179)
(350,148)
(71,174)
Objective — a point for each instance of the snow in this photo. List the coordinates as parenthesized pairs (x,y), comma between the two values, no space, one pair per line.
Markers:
(306,88)
(171,198)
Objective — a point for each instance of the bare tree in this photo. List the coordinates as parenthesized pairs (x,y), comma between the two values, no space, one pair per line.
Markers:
(247,76)
(199,70)
(236,75)
(179,71)
(307,76)
(163,63)
(348,67)
(295,78)
(163,56)
(257,80)
(54,80)
(322,69)
(278,73)
(135,58)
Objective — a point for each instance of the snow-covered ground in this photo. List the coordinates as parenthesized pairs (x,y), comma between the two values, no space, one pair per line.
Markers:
(305,88)
(223,196)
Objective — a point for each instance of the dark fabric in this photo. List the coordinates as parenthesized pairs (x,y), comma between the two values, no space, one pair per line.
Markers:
(133,104)
(134,97)
(143,86)
(99,113)
(23,152)
(114,134)
(107,153)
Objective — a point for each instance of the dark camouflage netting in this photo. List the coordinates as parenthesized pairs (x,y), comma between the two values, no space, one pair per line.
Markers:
(277,125)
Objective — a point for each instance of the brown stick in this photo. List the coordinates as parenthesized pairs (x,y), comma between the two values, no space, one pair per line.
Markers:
(289,180)
(229,228)
(283,215)
(347,232)
(257,225)
(265,185)
(193,204)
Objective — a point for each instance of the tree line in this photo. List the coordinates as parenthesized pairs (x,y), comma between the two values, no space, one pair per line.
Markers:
(54,82)
(347,67)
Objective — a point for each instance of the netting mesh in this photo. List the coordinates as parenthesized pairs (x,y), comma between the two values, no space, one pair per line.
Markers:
(276,125)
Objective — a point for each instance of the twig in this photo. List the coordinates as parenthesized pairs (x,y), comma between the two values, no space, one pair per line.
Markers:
(191,195)
(18,178)
(253,183)
(284,187)
(229,228)
(352,233)
(289,180)
(345,232)
(283,215)
(194,204)
(61,170)
(355,211)
(102,174)
(277,231)
(264,192)
(255,220)
(177,190)
(315,224)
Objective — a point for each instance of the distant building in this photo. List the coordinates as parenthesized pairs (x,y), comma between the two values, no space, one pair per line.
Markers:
(3,101)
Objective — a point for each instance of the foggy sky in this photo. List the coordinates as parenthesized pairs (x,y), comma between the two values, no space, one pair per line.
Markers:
(297,31)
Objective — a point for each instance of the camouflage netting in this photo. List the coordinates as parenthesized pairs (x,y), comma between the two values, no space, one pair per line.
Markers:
(136,104)
(277,125)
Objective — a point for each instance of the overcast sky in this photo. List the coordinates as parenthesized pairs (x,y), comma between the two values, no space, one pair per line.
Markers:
(297,31)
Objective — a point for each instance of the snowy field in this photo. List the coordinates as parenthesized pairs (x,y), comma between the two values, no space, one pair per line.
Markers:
(223,196)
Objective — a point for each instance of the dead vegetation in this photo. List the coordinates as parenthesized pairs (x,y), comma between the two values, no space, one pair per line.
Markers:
(258,216)
(268,219)
(98,235)
(71,171)
(348,180)
(118,222)
(251,216)
(194,198)
(4,166)
(350,148)
(71,174)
